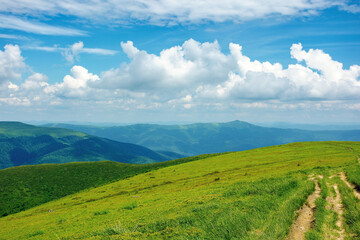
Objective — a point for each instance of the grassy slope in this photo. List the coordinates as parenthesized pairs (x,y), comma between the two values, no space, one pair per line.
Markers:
(199,138)
(353,174)
(22,144)
(24,187)
(351,203)
(351,210)
(252,194)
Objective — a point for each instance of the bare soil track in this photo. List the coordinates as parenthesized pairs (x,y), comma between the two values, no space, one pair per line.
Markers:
(350,185)
(336,205)
(306,215)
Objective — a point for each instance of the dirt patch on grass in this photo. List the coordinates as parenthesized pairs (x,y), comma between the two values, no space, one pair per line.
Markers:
(336,205)
(306,215)
(332,176)
(350,185)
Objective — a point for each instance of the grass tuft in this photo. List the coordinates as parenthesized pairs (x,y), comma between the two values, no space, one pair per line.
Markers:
(36,233)
(130,206)
(101,212)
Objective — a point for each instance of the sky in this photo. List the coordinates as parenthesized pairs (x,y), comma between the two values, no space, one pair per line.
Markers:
(137,61)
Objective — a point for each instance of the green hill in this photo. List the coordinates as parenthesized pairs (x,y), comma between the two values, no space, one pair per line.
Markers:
(201,138)
(24,187)
(22,144)
(251,194)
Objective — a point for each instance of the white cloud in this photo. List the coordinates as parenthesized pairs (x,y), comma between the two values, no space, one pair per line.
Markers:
(171,12)
(13,90)
(174,69)
(12,36)
(13,87)
(16,23)
(11,64)
(75,85)
(353,8)
(129,49)
(99,51)
(35,82)
(44,48)
(33,90)
(72,53)
(203,70)
(190,77)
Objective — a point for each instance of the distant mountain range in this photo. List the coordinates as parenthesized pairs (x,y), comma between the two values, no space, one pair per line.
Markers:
(23,144)
(200,138)
(316,127)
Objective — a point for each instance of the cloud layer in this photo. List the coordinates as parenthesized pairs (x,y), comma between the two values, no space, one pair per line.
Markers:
(189,76)
(164,12)
(23,24)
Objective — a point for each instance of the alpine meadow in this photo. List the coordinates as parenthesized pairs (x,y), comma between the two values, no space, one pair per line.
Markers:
(184,120)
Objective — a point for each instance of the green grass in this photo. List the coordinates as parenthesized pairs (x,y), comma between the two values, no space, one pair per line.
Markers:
(130,206)
(252,209)
(351,203)
(241,195)
(321,213)
(351,210)
(104,212)
(353,174)
(36,233)
(27,186)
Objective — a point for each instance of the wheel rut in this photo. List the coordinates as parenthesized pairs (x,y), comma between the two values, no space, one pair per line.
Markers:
(350,185)
(336,205)
(305,218)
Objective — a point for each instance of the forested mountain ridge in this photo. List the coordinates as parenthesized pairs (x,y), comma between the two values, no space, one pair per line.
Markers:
(23,144)
(201,138)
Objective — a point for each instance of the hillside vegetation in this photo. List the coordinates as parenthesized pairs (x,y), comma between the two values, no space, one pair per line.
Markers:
(201,138)
(24,187)
(241,195)
(22,144)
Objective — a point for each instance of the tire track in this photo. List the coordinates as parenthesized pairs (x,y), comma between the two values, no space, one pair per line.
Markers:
(350,185)
(337,206)
(305,218)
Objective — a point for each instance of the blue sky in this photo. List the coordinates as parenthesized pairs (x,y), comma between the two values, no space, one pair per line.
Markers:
(135,61)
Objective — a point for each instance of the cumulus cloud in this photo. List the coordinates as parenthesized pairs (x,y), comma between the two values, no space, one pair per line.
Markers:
(164,12)
(75,85)
(176,68)
(188,76)
(35,81)
(201,69)
(11,64)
